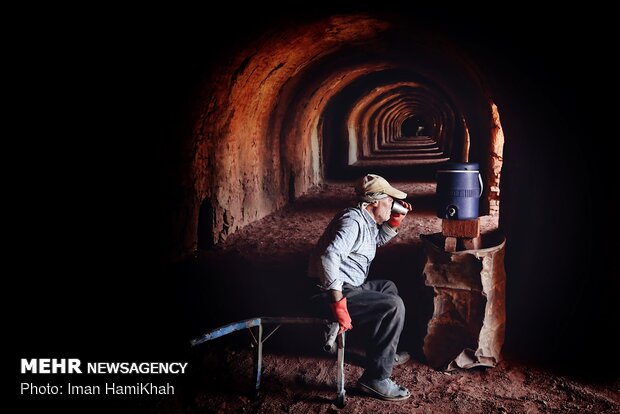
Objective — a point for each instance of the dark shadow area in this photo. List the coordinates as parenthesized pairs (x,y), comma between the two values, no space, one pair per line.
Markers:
(205,225)
(415,126)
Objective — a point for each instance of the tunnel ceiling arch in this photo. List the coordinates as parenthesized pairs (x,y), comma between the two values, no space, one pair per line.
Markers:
(375,126)
(297,104)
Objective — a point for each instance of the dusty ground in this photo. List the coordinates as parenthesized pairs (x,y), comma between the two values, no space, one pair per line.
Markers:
(256,273)
(299,225)
(296,384)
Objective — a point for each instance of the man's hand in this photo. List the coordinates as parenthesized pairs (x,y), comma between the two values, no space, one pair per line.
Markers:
(396,218)
(342,315)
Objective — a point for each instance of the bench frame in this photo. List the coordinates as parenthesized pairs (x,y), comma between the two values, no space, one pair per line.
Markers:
(259,324)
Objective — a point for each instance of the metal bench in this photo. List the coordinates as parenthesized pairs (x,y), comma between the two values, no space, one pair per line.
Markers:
(333,341)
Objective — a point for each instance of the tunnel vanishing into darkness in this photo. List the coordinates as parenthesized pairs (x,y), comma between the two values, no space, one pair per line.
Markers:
(300,103)
(328,100)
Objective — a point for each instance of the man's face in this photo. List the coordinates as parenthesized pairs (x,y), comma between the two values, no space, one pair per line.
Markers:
(383,210)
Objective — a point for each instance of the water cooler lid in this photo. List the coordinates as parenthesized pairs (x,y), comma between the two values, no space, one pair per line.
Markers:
(460,166)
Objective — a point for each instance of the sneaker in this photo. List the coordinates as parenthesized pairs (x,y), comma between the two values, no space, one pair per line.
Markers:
(401,357)
(385,389)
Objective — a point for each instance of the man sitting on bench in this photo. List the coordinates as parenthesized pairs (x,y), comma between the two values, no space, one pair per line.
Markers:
(341,261)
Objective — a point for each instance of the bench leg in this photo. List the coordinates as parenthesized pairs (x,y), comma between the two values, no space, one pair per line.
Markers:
(340,398)
(258,360)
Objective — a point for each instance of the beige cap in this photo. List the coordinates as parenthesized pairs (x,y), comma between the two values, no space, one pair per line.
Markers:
(373,187)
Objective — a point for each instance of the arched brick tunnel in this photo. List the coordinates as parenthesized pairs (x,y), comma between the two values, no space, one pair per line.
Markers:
(326,100)
(282,111)
(160,161)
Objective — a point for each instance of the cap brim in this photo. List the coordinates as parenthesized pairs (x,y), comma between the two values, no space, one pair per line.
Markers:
(394,193)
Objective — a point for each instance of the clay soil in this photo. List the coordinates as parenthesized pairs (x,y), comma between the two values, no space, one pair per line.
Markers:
(259,271)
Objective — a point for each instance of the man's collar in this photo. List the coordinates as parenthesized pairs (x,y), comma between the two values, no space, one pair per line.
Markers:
(368,217)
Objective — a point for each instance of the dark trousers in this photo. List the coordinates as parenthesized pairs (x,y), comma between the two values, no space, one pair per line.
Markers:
(378,311)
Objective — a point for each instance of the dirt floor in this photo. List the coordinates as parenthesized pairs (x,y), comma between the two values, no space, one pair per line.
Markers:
(302,384)
(259,271)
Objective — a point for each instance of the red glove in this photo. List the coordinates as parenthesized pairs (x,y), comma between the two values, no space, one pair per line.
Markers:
(341,313)
(396,218)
